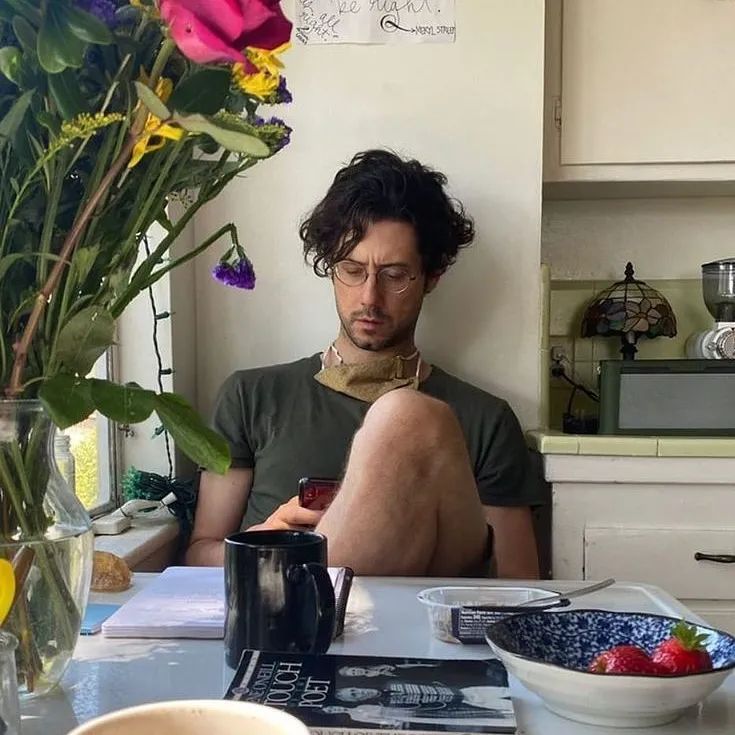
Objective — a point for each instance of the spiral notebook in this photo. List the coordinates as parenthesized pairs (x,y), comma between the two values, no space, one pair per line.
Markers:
(189,602)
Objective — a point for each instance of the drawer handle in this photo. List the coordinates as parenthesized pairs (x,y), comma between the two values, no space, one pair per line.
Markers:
(719,558)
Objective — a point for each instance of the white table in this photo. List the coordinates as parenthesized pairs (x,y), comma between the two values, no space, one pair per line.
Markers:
(384,618)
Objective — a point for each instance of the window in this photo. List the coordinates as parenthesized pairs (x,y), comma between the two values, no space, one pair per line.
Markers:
(87,455)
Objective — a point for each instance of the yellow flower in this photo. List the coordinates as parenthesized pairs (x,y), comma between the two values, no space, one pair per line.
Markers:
(268,60)
(156,132)
(7,588)
(85,124)
(147,8)
(263,82)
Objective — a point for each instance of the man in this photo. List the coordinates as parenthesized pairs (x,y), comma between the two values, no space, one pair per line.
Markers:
(434,472)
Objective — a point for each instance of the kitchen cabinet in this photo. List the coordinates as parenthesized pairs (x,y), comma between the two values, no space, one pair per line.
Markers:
(646,519)
(639,91)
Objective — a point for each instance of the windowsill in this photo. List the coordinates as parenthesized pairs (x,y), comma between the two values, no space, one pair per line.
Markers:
(144,541)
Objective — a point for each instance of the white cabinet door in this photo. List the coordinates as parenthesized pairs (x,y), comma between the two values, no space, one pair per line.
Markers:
(666,556)
(640,90)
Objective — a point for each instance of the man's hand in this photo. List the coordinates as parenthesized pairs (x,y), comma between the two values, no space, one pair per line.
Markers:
(290,516)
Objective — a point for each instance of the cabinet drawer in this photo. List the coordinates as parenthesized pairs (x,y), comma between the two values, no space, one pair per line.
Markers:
(663,557)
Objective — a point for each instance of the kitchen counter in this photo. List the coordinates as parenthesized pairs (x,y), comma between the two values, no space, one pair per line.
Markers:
(547,441)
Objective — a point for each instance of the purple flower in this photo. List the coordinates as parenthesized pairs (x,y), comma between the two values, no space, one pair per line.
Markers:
(282,95)
(239,274)
(102,9)
(274,132)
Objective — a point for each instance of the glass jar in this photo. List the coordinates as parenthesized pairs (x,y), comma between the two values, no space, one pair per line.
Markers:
(47,534)
(9,706)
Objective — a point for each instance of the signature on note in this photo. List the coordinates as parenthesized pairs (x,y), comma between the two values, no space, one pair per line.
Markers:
(371,21)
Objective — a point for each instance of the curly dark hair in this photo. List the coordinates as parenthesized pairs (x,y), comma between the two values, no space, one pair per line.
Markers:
(379,185)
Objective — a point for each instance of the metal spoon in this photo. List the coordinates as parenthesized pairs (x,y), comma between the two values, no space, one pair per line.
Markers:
(573,593)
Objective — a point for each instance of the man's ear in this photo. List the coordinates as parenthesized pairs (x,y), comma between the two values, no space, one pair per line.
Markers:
(431,282)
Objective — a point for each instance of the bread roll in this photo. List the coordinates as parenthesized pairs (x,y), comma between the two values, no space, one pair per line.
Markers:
(110,573)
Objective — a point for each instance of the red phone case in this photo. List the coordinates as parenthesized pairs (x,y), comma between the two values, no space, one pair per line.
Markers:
(317,493)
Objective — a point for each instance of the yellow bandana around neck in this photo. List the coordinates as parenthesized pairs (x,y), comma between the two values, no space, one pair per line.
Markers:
(367,381)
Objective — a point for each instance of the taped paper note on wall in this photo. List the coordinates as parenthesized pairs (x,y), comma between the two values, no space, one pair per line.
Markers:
(374,21)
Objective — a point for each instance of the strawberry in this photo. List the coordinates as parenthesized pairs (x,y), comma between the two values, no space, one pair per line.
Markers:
(683,652)
(624,660)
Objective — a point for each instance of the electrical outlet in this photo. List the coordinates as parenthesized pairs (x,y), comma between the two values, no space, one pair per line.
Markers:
(558,353)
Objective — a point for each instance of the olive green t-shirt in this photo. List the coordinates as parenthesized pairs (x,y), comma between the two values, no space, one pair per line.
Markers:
(284,424)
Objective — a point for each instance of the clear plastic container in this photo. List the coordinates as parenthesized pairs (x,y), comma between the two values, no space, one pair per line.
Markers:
(453,620)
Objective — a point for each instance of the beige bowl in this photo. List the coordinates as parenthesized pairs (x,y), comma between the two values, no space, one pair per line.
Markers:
(195,717)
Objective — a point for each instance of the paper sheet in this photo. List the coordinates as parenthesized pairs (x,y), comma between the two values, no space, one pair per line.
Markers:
(374,21)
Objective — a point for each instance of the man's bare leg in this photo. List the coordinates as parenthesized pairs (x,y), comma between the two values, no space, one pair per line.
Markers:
(408,504)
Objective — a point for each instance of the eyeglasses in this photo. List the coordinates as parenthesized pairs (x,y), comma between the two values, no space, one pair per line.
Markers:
(393,278)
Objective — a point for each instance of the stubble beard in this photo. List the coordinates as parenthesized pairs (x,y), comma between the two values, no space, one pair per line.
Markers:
(376,344)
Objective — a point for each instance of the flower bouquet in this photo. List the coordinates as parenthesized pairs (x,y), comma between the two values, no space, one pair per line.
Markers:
(110,111)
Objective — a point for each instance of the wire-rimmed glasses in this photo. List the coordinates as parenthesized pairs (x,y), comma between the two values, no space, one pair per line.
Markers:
(393,278)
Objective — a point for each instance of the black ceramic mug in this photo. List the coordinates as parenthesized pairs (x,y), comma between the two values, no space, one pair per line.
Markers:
(278,594)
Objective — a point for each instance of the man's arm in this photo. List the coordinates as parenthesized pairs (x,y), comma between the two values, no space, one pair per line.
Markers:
(220,507)
(515,555)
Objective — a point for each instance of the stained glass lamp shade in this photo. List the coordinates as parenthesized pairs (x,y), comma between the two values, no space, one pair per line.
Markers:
(629,309)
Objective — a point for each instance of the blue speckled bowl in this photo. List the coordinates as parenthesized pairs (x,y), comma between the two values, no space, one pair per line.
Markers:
(549,653)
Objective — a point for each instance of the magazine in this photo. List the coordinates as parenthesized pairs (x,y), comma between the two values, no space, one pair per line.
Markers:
(373,694)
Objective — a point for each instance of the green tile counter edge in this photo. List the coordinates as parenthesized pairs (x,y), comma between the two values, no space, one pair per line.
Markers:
(555,442)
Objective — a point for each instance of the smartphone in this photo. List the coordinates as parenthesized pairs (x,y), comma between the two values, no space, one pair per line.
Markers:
(317,493)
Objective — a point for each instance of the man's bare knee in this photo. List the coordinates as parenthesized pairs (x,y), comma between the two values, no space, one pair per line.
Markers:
(413,416)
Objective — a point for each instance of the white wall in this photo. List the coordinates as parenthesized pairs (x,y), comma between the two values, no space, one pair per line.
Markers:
(473,110)
(136,362)
(664,238)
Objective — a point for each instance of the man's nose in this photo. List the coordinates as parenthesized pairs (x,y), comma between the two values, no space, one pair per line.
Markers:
(372,294)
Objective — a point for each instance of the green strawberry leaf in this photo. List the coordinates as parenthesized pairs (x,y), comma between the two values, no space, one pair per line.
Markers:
(688,636)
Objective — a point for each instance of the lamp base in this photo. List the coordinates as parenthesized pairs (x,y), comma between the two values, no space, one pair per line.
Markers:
(628,349)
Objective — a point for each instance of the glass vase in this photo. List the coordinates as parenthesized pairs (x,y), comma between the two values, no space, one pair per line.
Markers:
(46,534)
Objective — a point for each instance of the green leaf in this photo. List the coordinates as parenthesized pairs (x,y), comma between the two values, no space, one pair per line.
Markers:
(12,258)
(191,435)
(9,260)
(57,48)
(64,88)
(126,404)
(26,35)
(26,9)
(84,338)
(49,121)
(67,399)
(87,27)
(83,260)
(149,98)
(231,140)
(204,92)
(11,58)
(14,117)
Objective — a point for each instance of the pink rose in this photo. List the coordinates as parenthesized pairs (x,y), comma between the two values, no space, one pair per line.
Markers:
(212,31)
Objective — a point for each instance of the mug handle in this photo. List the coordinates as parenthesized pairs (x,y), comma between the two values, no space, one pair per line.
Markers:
(326,606)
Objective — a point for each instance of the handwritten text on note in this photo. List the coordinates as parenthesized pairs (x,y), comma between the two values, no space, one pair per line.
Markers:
(374,21)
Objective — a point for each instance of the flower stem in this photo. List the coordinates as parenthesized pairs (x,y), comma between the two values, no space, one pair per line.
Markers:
(43,296)
(15,386)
